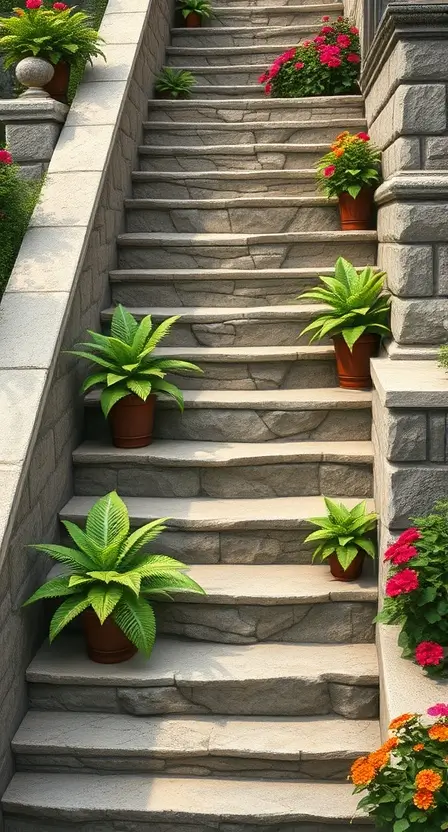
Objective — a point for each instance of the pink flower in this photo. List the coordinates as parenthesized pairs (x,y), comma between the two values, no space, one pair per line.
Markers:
(299,65)
(326,30)
(400,554)
(429,653)
(340,19)
(288,55)
(438,710)
(60,7)
(329,171)
(402,583)
(325,19)
(33,4)
(319,40)
(366,138)
(412,534)
(5,157)
(306,43)
(268,89)
(344,41)
(353,58)
(263,78)
(354,30)
(333,63)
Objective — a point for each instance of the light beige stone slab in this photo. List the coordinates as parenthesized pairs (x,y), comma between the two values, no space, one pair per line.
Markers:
(38,269)
(123,26)
(82,148)
(97,103)
(27,314)
(410,384)
(21,397)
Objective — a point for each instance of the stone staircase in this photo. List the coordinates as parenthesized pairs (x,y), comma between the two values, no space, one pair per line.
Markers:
(258,696)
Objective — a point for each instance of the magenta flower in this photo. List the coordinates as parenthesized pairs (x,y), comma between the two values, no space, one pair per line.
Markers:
(429,653)
(438,710)
(402,583)
(400,554)
(60,7)
(353,58)
(412,534)
(5,157)
(329,171)
(344,41)
(33,4)
(299,65)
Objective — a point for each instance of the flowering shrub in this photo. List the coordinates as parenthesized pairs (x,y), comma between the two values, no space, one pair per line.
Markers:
(327,65)
(17,200)
(407,778)
(417,591)
(351,164)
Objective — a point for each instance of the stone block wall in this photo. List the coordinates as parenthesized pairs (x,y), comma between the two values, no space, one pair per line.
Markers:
(57,289)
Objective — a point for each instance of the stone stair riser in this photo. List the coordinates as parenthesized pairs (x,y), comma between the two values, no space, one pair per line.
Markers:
(297,15)
(231,111)
(23,823)
(249,256)
(161,186)
(223,76)
(249,160)
(261,375)
(297,131)
(223,94)
(247,219)
(237,36)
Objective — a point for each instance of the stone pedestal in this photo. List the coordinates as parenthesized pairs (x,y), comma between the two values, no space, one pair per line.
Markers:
(32,130)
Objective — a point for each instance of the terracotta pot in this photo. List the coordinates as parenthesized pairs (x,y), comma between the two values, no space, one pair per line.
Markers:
(356,214)
(58,86)
(352,573)
(106,644)
(354,367)
(132,422)
(193,20)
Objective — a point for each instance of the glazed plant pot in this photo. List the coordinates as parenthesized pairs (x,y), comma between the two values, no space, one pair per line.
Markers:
(356,214)
(58,86)
(106,643)
(352,573)
(354,367)
(193,20)
(132,422)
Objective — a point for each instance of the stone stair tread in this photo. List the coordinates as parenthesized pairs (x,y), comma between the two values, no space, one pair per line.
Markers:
(315,103)
(210,514)
(300,28)
(184,240)
(227,89)
(204,314)
(257,201)
(131,798)
(181,453)
(306,738)
(229,150)
(245,354)
(319,8)
(142,275)
(177,661)
(352,123)
(148,175)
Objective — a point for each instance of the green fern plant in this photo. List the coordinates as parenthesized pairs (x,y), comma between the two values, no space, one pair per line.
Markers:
(127,363)
(343,532)
(201,7)
(356,302)
(176,82)
(107,571)
(443,357)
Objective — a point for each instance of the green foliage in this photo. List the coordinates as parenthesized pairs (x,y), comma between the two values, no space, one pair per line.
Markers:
(108,571)
(95,9)
(18,198)
(351,165)
(176,82)
(201,7)
(343,532)
(356,304)
(443,357)
(127,363)
(49,34)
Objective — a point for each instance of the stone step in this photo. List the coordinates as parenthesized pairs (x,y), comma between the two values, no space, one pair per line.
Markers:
(225,184)
(225,470)
(236,157)
(225,75)
(225,531)
(184,676)
(333,6)
(246,327)
(323,414)
(245,251)
(272,15)
(264,110)
(254,214)
(37,802)
(189,134)
(212,287)
(221,91)
(306,747)
(237,36)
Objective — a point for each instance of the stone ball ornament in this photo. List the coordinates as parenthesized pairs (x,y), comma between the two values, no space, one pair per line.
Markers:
(34,73)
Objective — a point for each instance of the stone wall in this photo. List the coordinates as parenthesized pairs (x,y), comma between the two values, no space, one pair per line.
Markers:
(56,291)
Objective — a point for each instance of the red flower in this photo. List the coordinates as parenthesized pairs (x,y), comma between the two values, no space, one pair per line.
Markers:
(329,171)
(333,63)
(33,4)
(429,653)
(326,30)
(354,30)
(268,89)
(306,43)
(366,138)
(400,554)
(412,534)
(406,581)
(344,41)
(5,157)
(263,78)
(319,40)
(340,19)
(60,7)
(299,65)
(353,58)
(325,19)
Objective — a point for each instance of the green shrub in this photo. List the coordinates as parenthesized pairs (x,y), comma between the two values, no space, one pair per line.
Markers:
(17,200)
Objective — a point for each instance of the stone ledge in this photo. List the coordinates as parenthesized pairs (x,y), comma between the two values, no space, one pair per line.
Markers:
(412,384)
(415,185)
(22,110)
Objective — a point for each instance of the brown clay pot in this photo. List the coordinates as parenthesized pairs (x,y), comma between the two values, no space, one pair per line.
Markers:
(352,573)
(132,422)
(58,86)
(106,643)
(356,214)
(193,20)
(354,367)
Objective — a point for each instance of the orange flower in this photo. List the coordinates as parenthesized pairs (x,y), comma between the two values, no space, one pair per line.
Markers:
(439,732)
(424,799)
(418,747)
(19,12)
(390,743)
(428,780)
(342,135)
(339,152)
(399,721)
(379,758)
(362,772)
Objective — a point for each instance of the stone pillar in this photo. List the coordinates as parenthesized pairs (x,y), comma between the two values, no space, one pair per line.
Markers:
(32,130)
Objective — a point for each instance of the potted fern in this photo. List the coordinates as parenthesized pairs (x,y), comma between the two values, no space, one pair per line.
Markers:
(193,11)
(174,83)
(343,538)
(107,579)
(356,320)
(130,376)
(56,33)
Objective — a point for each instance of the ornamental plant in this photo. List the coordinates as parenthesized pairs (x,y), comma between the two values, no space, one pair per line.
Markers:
(127,362)
(417,591)
(201,7)
(176,82)
(107,571)
(406,780)
(343,532)
(17,200)
(352,164)
(327,65)
(55,33)
(357,305)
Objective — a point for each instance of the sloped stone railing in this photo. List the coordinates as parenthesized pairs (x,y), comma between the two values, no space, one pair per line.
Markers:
(56,291)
